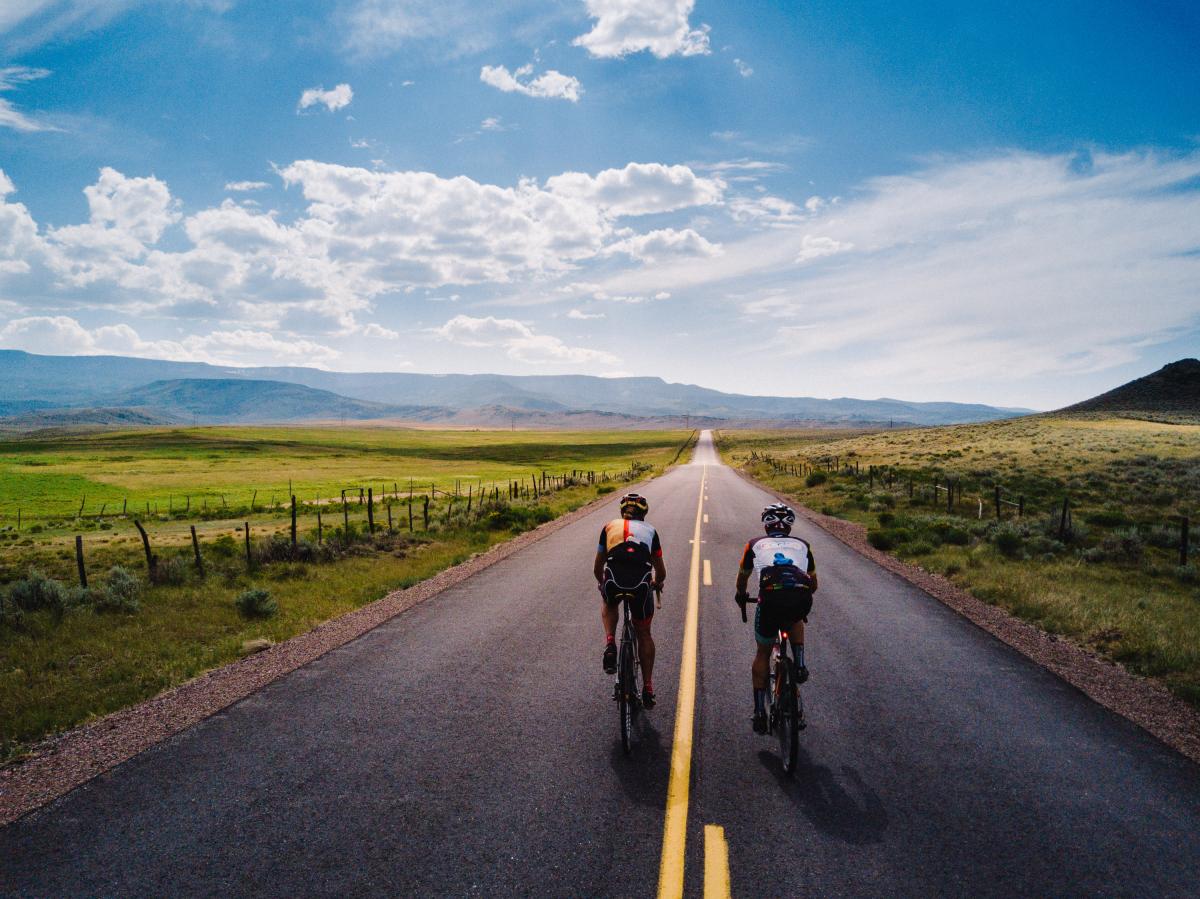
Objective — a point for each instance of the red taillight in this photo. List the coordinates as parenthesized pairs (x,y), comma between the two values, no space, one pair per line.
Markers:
(784,634)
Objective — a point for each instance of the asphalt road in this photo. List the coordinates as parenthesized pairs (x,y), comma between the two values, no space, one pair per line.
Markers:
(470,747)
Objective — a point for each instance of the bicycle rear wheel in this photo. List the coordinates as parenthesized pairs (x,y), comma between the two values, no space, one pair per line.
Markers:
(788,716)
(626,694)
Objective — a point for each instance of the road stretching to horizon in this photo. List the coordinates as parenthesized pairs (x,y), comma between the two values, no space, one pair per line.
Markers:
(470,746)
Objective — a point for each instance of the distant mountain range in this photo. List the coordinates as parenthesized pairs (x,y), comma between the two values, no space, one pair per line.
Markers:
(41,388)
(1174,388)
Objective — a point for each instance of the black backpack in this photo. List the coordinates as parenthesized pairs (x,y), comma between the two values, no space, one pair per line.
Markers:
(782,579)
(628,562)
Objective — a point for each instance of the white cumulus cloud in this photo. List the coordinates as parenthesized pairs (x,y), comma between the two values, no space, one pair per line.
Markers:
(550,84)
(665,243)
(630,26)
(362,238)
(639,188)
(333,99)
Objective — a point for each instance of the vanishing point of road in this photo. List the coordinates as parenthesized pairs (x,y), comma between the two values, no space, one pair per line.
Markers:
(470,746)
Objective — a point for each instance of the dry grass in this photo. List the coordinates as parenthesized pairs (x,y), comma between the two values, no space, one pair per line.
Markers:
(1111,582)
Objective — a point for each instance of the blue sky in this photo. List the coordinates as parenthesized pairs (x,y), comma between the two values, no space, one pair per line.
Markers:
(921,200)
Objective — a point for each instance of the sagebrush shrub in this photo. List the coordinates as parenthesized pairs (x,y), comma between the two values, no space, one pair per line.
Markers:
(37,592)
(1008,539)
(816,479)
(120,592)
(256,603)
(171,571)
(881,539)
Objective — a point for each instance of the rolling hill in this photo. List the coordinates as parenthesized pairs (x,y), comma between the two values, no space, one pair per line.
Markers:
(1174,388)
(225,400)
(83,381)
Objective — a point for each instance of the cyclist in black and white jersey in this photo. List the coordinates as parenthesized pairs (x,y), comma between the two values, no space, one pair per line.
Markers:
(781,568)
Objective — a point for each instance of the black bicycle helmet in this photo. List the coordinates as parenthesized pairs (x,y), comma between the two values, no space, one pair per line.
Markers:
(778,517)
(635,505)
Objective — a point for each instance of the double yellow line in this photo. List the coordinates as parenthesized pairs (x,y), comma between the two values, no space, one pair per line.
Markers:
(716,861)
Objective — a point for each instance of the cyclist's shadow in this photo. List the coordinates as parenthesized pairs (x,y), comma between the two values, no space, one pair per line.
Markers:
(850,809)
(644,773)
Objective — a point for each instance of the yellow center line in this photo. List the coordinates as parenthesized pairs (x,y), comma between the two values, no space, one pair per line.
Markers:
(670,872)
(716,863)
(707,573)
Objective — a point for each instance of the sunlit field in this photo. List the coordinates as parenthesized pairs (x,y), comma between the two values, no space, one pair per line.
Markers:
(1106,573)
(70,653)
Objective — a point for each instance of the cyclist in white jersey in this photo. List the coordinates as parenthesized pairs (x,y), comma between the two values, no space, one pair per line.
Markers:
(782,570)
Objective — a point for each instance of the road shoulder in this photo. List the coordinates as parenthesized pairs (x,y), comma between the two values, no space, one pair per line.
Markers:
(1144,702)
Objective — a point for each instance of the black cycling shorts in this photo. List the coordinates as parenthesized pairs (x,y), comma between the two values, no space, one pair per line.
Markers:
(640,599)
(780,613)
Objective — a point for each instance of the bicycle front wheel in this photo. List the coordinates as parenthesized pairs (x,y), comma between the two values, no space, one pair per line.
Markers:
(626,695)
(788,717)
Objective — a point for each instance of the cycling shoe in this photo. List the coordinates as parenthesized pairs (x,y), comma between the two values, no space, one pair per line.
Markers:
(648,699)
(760,722)
(610,658)
(801,674)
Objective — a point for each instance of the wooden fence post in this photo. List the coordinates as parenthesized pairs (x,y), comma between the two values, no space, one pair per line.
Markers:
(949,496)
(79,561)
(1020,507)
(997,502)
(249,558)
(293,522)
(410,521)
(425,512)
(345,515)
(1062,522)
(151,560)
(389,511)
(196,552)
(320,529)
(371,510)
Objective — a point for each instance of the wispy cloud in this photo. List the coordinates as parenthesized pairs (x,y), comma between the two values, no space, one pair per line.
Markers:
(333,99)
(1018,265)
(742,68)
(550,84)
(11,78)
(241,186)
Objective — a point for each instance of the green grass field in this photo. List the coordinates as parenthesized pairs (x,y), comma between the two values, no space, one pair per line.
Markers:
(1110,580)
(50,479)
(65,661)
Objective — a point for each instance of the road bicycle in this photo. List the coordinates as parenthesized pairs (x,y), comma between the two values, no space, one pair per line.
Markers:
(627,689)
(785,705)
